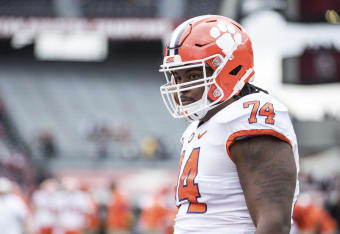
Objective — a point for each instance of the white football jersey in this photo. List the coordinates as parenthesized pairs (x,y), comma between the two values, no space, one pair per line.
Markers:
(73,207)
(45,209)
(208,192)
(13,213)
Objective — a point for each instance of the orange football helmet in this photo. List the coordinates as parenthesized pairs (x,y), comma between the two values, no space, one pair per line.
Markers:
(206,41)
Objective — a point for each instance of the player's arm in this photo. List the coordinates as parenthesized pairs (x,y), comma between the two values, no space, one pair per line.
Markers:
(267,174)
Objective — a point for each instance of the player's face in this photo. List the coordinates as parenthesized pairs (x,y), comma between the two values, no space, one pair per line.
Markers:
(188,75)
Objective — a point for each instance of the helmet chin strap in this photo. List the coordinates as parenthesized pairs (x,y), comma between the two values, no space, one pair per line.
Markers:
(196,116)
(201,113)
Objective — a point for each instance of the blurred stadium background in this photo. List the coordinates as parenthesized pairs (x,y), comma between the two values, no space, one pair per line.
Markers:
(80,108)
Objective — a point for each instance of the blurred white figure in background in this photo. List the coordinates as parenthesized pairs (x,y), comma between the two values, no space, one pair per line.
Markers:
(44,206)
(73,208)
(14,213)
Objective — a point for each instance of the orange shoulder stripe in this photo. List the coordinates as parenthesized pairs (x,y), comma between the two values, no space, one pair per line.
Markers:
(253,132)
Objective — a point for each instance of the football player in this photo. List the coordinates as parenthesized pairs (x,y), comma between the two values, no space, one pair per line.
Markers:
(14,212)
(239,161)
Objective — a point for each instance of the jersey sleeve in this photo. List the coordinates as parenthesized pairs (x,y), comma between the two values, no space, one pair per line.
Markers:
(257,115)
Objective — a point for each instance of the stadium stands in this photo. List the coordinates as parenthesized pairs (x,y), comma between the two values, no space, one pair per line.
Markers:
(69,98)
(24,8)
(104,8)
(201,7)
(119,8)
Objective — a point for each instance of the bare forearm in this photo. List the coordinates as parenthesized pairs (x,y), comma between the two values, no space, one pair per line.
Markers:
(272,228)
(272,222)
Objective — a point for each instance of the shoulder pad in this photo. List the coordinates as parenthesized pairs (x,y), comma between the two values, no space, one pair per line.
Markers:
(236,110)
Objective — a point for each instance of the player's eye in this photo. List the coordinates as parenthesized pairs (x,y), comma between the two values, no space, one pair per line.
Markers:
(195,76)
(178,79)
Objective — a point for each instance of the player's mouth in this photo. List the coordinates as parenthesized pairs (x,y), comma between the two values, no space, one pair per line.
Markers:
(187,100)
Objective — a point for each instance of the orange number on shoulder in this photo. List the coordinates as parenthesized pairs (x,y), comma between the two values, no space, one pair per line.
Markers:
(188,189)
(256,104)
(266,110)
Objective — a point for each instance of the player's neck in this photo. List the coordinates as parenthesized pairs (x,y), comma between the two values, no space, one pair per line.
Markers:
(213,111)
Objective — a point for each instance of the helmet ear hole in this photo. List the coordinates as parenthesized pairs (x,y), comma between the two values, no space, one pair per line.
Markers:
(235,70)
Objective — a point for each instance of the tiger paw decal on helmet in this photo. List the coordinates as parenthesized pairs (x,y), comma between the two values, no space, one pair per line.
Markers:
(226,37)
